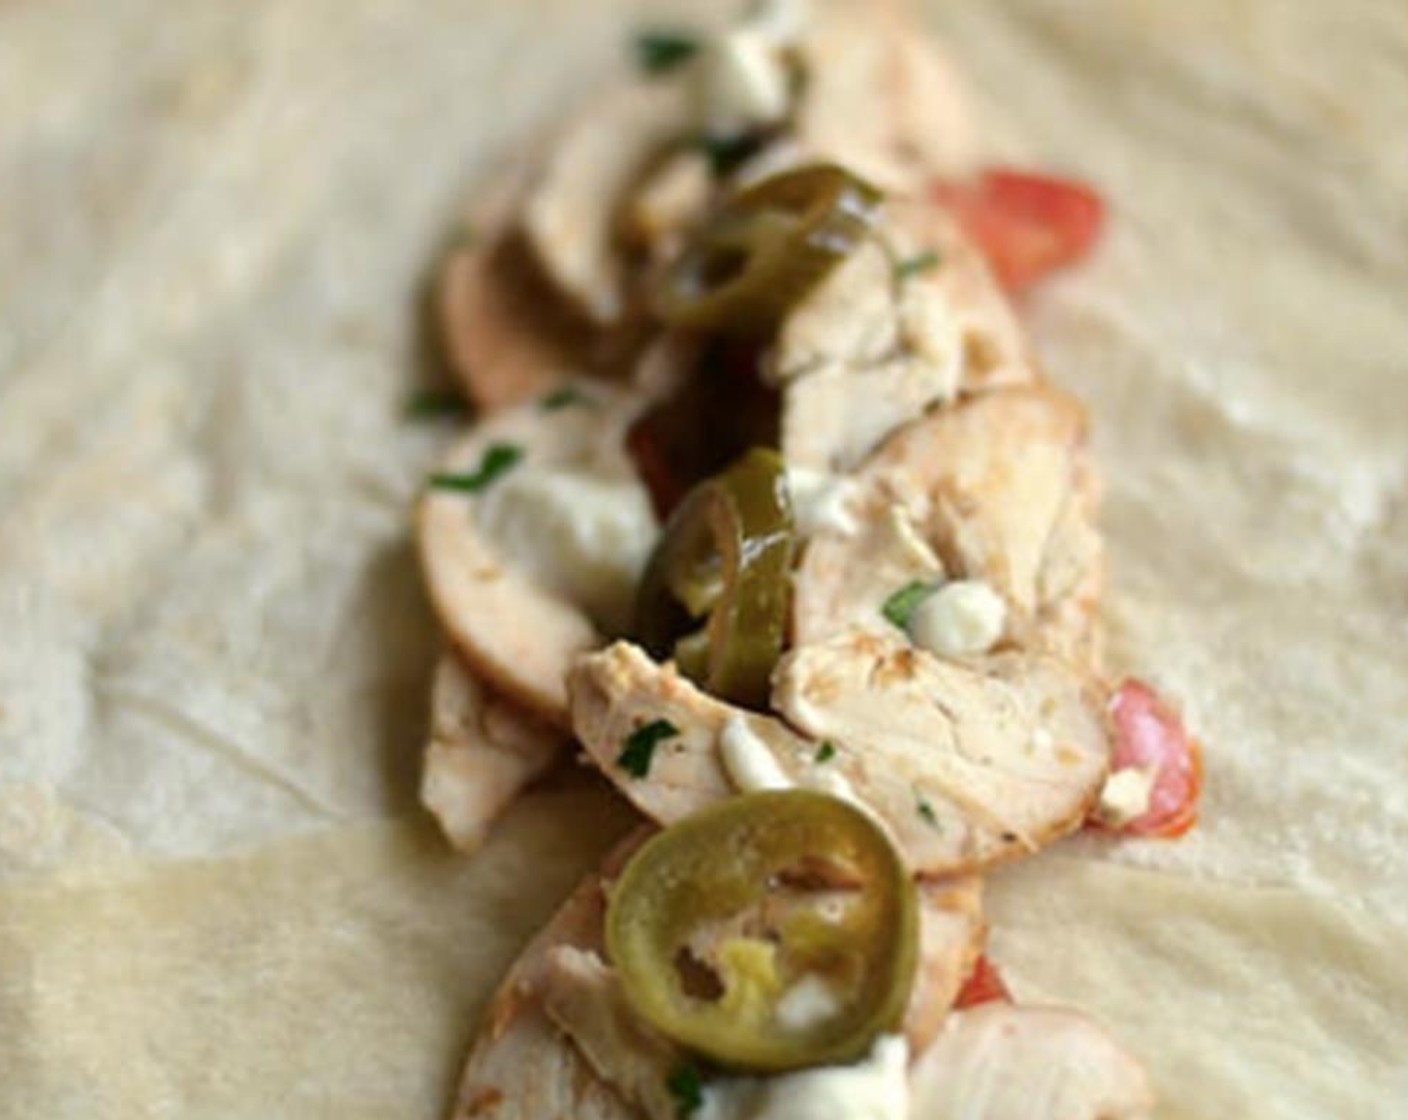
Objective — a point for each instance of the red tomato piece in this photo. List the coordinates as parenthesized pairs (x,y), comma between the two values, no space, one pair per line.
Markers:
(1150,733)
(1026,225)
(984,984)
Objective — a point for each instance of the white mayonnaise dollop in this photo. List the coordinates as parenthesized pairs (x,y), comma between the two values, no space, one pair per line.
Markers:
(960,619)
(875,1088)
(808,1003)
(749,763)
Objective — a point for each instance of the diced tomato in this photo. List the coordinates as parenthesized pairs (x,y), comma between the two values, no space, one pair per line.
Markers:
(1148,733)
(984,984)
(1027,225)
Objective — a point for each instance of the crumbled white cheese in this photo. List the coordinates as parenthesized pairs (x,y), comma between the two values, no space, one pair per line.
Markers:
(580,535)
(822,502)
(748,762)
(739,83)
(875,1088)
(806,1004)
(962,618)
(1125,795)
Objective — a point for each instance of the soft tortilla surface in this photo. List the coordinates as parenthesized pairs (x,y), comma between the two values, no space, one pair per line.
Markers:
(217,895)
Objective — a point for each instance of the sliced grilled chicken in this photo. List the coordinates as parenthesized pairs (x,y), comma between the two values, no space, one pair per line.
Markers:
(998,487)
(951,936)
(482,753)
(522,1066)
(879,97)
(961,287)
(968,764)
(620,689)
(908,321)
(570,212)
(500,334)
(493,325)
(1011,501)
(583,995)
(527,563)
(847,572)
(1003,1062)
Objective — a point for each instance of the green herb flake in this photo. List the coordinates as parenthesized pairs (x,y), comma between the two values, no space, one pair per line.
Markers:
(687,1087)
(913,266)
(498,458)
(639,748)
(826,752)
(661,50)
(925,810)
(564,397)
(899,607)
(429,404)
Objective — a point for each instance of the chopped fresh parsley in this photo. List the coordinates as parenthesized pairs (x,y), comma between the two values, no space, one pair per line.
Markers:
(913,266)
(899,607)
(661,50)
(498,458)
(687,1087)
(564,397)
(639,748)
(925,810)
(431,403)
(826,752)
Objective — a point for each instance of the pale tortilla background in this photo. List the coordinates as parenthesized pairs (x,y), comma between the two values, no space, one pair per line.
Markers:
(217,896)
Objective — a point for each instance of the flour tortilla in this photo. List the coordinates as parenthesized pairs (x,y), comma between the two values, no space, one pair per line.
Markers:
(219,897)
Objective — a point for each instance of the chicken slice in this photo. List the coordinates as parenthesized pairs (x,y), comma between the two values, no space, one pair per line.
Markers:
(967,764)
(879,96)
(617,690)
(482,753)
(998,1061)
(569,215)
(526,567)
(1006,495)
(908,321)
(997,489)
(960,288)
(522,1066)
(583,995)
(851,317)
(970,762)
(493,328)
(504,336)
(847,572)
(951,936)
